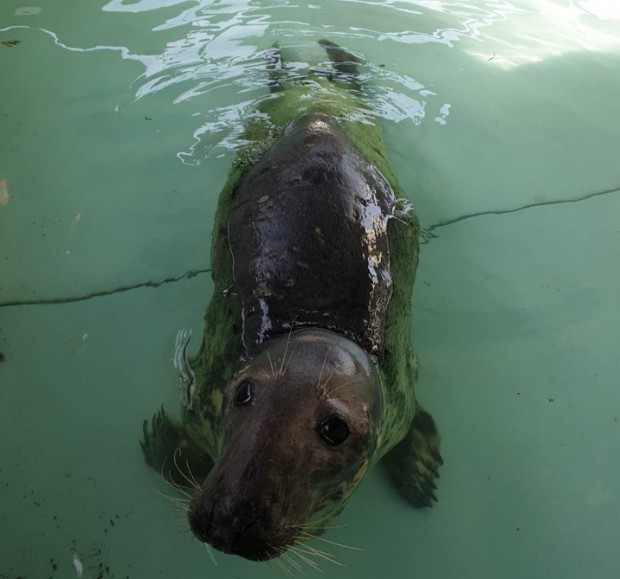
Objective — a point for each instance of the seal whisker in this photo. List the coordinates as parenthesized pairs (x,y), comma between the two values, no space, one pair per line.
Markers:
(289,360)
(292,561)
(270,565)
(285,568)
(196,485)
(318,553)
(329,377)
(170,482)
(345,384)
(191,482)
(288,339)
(179,506)
(315,551)
(320,522)
(329,556)
(327,351)
(174,486)
(334,543)
(186,498)
(278,550)
(176,500)
(179,510)
(310,562)
(273,372)
(280,563)
(210,553)
(279,568)
(316,525)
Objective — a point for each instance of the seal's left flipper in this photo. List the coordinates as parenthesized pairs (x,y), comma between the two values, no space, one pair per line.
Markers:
(414,462)
(169,451)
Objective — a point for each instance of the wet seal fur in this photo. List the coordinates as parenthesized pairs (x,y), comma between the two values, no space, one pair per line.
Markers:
(306,374)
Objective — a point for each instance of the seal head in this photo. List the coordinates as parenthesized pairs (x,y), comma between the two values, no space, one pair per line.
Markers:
(299,431)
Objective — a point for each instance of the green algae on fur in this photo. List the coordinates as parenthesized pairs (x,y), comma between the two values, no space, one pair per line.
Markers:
(404,432)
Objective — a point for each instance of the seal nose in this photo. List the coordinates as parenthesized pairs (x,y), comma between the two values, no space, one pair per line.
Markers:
(230,529)
(199,519)
(212,521)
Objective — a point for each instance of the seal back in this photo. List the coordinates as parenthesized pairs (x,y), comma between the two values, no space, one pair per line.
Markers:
(308,235)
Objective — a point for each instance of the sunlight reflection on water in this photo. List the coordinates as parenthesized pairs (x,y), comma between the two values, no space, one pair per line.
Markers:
(217,49)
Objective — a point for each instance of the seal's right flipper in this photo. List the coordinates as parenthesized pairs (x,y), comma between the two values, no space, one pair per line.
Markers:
(414,462)
(169,451)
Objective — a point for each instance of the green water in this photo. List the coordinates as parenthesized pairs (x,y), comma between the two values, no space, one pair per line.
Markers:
(118,123)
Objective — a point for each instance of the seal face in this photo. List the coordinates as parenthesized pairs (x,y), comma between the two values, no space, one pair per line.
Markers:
(308,236)
(305,378)
(297,436)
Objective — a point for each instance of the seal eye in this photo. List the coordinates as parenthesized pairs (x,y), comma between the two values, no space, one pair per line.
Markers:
(245,393)
(334,430)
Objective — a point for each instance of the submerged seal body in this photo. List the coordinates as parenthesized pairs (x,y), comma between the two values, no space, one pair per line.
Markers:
(306,374)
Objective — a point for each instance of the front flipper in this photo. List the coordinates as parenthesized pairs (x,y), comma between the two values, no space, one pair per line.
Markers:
(413,463)
(168,450)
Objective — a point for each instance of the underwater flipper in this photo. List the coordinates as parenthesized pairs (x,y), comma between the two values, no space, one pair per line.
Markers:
(169,451)
(344,62)
(413,463)
(276,68)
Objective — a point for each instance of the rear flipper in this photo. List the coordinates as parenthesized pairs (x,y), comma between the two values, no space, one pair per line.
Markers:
(344,63)
(169,451)
(413,463)
(276,68)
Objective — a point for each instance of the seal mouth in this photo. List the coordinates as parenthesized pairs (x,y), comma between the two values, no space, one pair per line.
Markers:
(249,544)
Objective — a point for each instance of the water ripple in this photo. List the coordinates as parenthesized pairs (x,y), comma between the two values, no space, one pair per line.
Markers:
(209,55)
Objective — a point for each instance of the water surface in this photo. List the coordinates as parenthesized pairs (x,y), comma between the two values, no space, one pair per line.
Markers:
(119,123)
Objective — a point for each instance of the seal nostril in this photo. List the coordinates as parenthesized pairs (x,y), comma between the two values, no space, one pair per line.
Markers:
(224,530)
(206,532)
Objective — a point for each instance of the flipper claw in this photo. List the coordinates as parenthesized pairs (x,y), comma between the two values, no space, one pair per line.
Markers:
(413,463)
